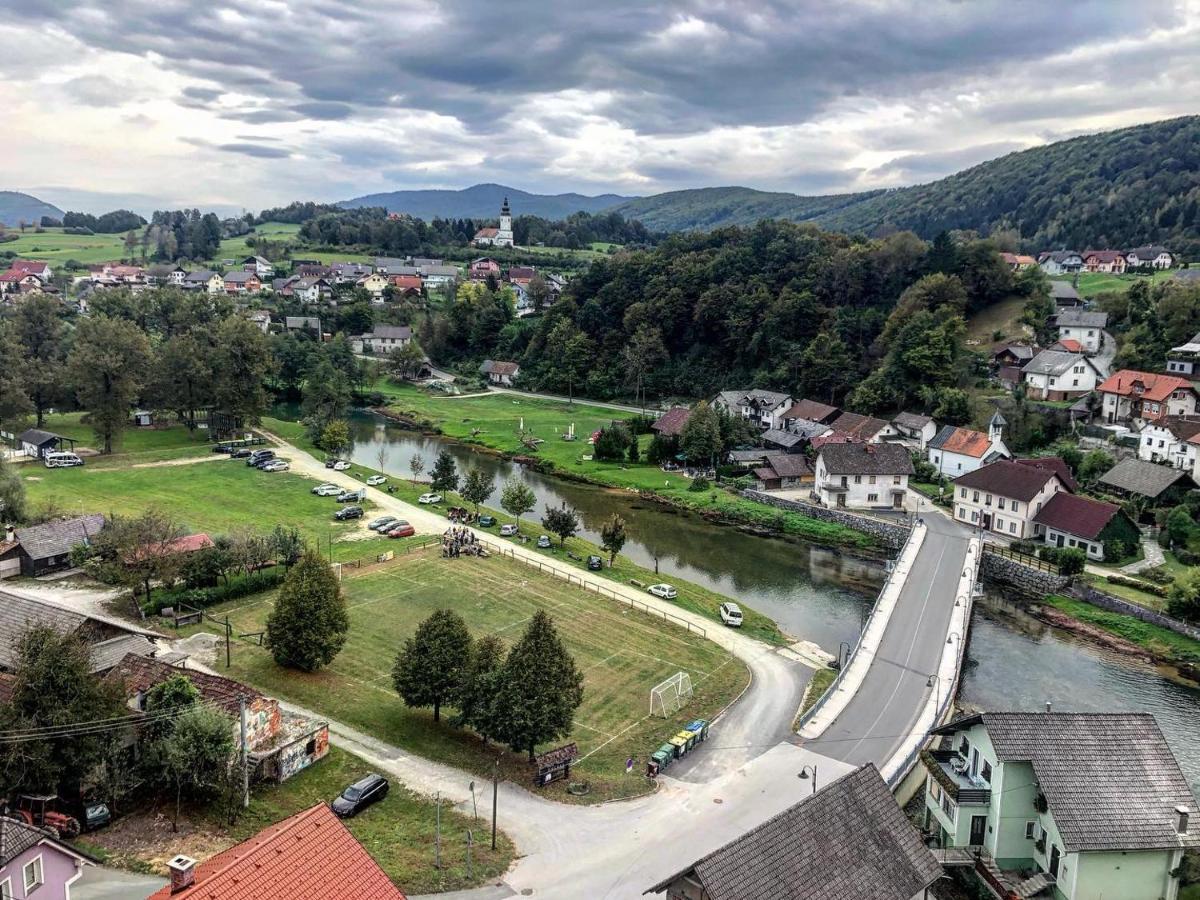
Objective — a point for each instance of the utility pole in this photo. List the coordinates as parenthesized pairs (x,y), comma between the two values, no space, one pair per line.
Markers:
(228,637)
(437,852)
(470,840)
(495,794)
(245,753)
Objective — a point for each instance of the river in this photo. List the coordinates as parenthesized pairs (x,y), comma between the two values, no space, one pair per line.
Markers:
(1013,661)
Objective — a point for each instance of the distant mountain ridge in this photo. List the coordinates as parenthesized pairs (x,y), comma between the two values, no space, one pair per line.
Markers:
(16,207)
(482,201)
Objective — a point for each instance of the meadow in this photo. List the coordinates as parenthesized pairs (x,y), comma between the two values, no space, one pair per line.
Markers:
(55,247)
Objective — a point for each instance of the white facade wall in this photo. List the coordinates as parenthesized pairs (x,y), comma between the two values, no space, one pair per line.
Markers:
(1089,338)
(999,514)
(860,491)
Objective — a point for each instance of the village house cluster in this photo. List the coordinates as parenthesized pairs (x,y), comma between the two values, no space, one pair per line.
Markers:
(1113,262)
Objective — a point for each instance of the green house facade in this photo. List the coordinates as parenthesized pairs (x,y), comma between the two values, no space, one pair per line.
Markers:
(1081,806)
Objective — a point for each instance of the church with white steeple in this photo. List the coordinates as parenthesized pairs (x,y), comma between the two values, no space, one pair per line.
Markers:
(497,237)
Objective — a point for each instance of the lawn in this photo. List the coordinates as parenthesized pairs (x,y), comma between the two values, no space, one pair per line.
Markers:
(134,445)
(1003,316)
(1092,283)
(56,248)
(1162,642)
(399,832)
(495,421)
(622,653)
(217,496)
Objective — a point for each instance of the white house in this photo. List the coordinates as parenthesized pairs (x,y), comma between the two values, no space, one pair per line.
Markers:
(259,266)
(917,429)
(311,290)
(1092,806)
(1132,396)
(1169,440)
(177,275)
(386,338)
(1060,262)
(862,475)
(1084,326)
(956,451)
(1058,375)
(438,276)
(499,371)
(1155,257)
(1004,497)
(1182,360)
(764,408)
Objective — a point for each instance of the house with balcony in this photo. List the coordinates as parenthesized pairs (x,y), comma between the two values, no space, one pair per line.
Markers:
(764,408)
(915,429)
(862,476)
(1060,262)
(1059,375)
(1132,396)
(1005,497)
(1109,261)
(1075,806)
(1149,257)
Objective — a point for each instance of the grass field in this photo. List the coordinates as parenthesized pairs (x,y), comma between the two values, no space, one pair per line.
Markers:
(215,496)
(1162,642)
(495,421)
(622,653)
(1003,317)
(1092,283)
(399,832)
(54,247)
(134,445)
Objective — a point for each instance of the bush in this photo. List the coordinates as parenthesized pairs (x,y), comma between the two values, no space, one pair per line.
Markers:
(699,484)
(241,586)
(77,230)
(1138,584)
(612,443)
(1071,561)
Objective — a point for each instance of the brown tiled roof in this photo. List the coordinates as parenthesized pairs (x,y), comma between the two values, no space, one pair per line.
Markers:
(1183,427)
(1076,515)
(140,674)
(964,441)
(309,856)
(1007,479)
(672,421)
(862,427)
(789,465)
(811,410)
(1067,345)
(849,840)
(1152,386)
(1110,779)
(867,459)
(498,367)
(1055,464)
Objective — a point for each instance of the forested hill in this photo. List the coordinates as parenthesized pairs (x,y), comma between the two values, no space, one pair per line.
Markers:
(16,208)
(1133,186)
(482,201)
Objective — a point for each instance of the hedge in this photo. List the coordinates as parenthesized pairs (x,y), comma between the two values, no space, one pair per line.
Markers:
(1157,589)
(256,582)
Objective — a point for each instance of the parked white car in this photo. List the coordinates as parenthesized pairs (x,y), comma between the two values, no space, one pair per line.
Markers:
(327,490)
(731,614)
(508,530)
(430,498)
(376,480)
(663,590)
(340,466)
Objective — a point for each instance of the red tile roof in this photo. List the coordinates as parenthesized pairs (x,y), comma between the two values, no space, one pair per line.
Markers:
(862,427)
(1077,515)
(811,410)
(405,282)
(1070,345)
(672,421)
(834,437)
(1055,464)
(1146,385)
(29,266)
(139,673)
(309,856)
(189,543)
(1007,479)
(963,441)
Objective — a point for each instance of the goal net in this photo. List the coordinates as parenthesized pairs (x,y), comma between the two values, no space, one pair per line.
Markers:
(668,698)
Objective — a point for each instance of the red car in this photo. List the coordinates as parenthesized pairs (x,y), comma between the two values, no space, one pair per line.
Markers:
(401,529)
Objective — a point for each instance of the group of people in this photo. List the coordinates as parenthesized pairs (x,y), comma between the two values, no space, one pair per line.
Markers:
(459,541)
(461,516)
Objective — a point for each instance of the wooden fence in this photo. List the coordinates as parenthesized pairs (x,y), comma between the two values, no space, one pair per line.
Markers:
(1024,559)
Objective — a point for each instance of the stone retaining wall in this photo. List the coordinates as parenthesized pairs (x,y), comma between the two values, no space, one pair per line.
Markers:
(1025,579)
(890,535)
(1090,595)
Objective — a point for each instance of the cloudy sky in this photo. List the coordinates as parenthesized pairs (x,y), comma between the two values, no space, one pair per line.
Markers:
(235,103)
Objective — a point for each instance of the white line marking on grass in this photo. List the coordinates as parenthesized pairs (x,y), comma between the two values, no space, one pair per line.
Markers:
(603,661)
(579,724)
(611,739)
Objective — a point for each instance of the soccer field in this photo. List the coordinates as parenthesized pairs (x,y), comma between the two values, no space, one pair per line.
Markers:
(623,653)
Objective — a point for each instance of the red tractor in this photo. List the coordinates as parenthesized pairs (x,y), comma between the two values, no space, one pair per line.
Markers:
(37,809)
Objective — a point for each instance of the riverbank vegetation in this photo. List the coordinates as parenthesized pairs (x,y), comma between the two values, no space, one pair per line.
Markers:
(1161,643)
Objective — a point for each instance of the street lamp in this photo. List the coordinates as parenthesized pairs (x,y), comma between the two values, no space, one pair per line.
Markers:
(950,638)
(805,772)
(936,683)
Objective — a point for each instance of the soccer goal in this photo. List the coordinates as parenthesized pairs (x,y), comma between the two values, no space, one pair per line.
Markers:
(668,698)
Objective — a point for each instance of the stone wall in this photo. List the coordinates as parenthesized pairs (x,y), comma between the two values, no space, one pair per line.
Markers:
(1118,605)
(1025,579)
(889,535)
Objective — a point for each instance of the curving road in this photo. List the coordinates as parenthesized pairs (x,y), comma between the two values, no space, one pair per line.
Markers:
(885,710)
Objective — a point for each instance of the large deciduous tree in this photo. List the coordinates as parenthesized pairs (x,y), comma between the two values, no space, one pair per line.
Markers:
(108,366)
(561,520)
(476,488)
(430,667)
(307,626)
(613,536)
(701,438)
(41,336)
(517,498)
(242,365)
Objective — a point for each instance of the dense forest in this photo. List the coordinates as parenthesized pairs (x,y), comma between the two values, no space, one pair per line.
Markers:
(1121,188)
(777,305)
(482,201)
(116,222)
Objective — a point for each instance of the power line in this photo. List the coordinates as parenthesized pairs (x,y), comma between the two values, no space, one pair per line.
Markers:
(99,726)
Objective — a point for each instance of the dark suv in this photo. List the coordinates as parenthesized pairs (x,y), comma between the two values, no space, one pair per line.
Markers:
(360,795)
(348,512)
(259,456)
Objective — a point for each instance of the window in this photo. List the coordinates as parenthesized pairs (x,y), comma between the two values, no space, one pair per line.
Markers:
(1031,831)
(974,515)
(975,496)
(948,807)
(1012,527)
(858,479)
(895,479)
(32,874)
(962,492)
(1000,503)
(1015,506)
(962,512)
(964,747)
(999,524)
(6,889)
(986,773)
(872,498)
(871,479)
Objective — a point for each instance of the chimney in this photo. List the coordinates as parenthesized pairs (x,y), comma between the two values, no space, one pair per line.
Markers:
(183,872)
(1181,819)
(10,533)
(1047,706)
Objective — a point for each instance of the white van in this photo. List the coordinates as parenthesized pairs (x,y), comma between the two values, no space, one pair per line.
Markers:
(61,459)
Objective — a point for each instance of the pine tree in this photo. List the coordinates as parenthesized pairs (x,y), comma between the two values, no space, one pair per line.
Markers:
(540,687)
(429,669)
(307,627)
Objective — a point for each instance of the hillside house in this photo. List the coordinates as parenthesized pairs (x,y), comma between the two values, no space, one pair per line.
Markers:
(1089,525)
(260,266)
(1013,355)
(1108,261)
(348,272)
(916,429)
(279,743)
(309,856)
(865,429)
(500,372)
(1183,360)
(863,475)
(1160,485)
(47,547)
(811,411)
(784,471)
(764,408)
(438,276)
(776,440)
(1094,804)
(312,269)
(261,318)
(1084,326)
(1060,262)
(847,841)
(32,267)
(1004,497)
(242,283)
(1150,257)
(311,290)
(1057,375)
(1018,261)
(1129,396)
(482,268)
(1168,440)
(204,281)
(374,284)
(521,275)
(405,285)
(384,339)
(307,324)
(956,451)
(35,863)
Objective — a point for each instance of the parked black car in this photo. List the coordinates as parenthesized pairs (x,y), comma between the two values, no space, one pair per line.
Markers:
(263,460)
(348,512)
(595,563)
(350,496)
(241,453)
(259,456)
(222,448)
(360,795)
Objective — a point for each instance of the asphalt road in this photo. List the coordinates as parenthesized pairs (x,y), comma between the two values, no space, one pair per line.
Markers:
(884,711)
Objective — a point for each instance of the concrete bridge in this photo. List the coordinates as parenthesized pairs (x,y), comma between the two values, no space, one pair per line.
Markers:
(902,677)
